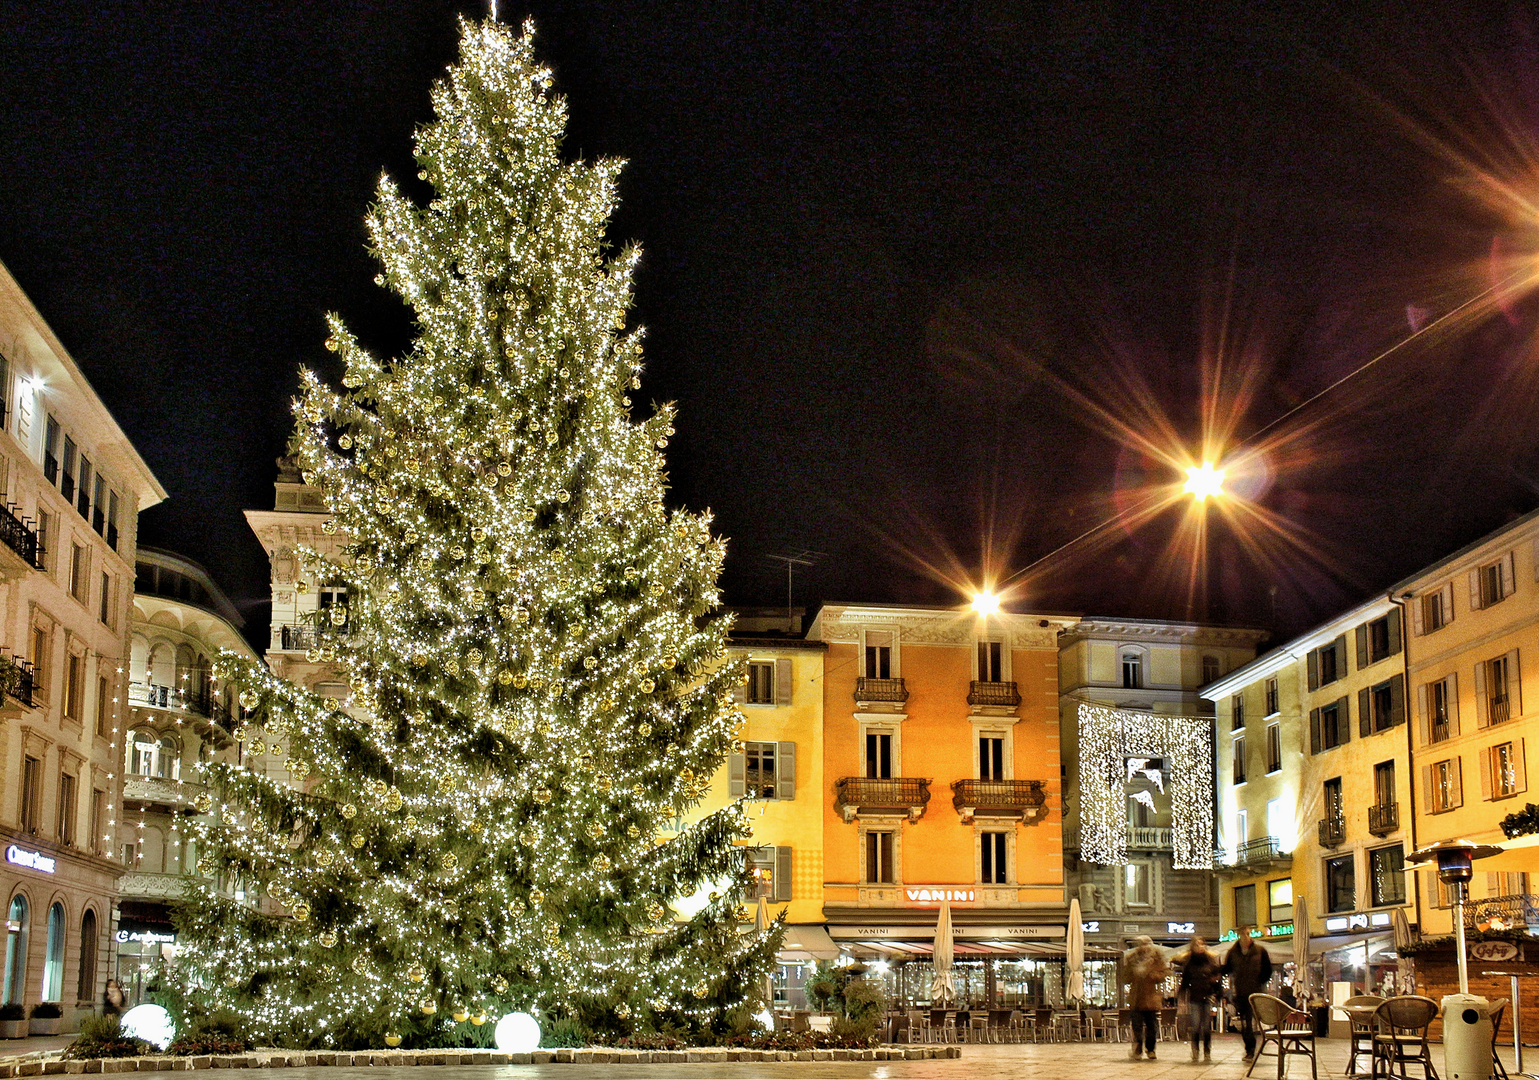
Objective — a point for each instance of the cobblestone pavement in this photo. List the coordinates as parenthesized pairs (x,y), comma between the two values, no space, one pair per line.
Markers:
(1075,1061)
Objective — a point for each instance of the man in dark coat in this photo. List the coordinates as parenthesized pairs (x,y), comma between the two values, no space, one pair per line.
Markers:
(1249,968)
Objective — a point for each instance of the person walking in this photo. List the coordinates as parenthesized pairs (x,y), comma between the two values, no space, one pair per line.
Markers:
(1249,967)
(113,1000)
(1199,983)
(1146,969)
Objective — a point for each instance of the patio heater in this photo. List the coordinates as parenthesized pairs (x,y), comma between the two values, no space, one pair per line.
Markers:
(1454,859)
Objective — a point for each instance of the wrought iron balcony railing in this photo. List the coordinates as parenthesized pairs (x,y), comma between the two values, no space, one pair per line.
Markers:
(1333,831)
(880,690)
(994,693)
(18,535)
(1384,818)
(1260,852)
(156,696)
(855,795)
(1503,912)
(288,637)
(1024,799)
(17,680)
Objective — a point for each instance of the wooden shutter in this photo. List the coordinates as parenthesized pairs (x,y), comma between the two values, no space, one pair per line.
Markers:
(1475,589)
(1519,766)
(1429,796)
(1313,661)
(1456,787)
(1423,715)
(737,775)
(1394,631)
(1397,700)
(1485,773)
(1417,605)
(1481,719)
(1361,634)
(1344,717)
(1364,713)
(783,681)
(1514,685)
(1453,704)
(1448,605)
(1340,645)
(783,874)
(1314,730)
(1509,575)
(785,770)
(740,691)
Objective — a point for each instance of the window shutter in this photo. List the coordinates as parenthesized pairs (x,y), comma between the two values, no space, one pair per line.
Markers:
(1429,796)
(1514,685)
(1314,669)
(782,682)
(1519,766)
(1480,694)
(785,771)
(1456,776)
(1340,645)
(1364,714)
(1394,632)
(1416,616)
(1314,729)
(1509,575)
(1397,700)
(1423,716)
(1485,773)
(1448,605)
(1361,634)
(1453,704)
(783,874)
(1344,711)
(740,691)
(1475,590)
(737,775)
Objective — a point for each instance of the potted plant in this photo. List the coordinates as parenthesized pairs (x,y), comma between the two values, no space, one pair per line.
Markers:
(13,1021)
(46,1018)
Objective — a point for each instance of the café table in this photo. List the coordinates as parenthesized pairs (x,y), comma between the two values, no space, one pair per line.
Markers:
(1517,1027)
(1359,1015)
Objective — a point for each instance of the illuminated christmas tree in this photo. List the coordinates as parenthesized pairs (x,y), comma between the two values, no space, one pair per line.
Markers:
(533,644)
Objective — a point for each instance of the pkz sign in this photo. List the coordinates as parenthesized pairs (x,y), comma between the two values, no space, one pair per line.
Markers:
(32,860)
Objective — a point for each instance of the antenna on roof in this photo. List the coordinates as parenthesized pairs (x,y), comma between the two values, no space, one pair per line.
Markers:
(792,561)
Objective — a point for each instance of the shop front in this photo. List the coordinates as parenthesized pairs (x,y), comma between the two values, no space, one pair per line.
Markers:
(146,942)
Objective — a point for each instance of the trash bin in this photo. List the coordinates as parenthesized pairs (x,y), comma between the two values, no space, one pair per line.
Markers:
(1466,1037)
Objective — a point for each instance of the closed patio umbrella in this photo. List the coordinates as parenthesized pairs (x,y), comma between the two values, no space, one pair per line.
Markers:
(1405,966)
(943,988)
(1074,954)
(1303,983)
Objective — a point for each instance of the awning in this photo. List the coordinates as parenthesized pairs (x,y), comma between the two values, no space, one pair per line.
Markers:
(1520,855)
(1319,945)
(1003,950)
(808,942)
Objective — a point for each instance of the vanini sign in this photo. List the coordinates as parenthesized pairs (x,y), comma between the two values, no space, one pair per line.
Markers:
(929,894)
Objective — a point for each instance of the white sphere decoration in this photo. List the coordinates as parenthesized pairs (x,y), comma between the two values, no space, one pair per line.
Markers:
(517,1033)
(150,1023)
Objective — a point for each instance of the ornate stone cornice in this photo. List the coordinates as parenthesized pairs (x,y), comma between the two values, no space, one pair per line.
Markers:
(939,626)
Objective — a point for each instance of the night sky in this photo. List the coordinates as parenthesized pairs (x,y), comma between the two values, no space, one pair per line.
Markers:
(923,279)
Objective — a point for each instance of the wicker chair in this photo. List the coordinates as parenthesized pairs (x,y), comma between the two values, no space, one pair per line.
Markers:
(1400,1038)
(1284,1027)
(1362,1031)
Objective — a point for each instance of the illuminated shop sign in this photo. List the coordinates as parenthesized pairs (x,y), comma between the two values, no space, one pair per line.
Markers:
(32,860)
(1180,928)
(1091,927)
(1342,923)
(930,894)
(1276,929)
(147,937)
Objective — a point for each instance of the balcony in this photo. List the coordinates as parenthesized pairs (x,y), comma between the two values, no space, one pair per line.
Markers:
(1333,831)
(1502,912)
(1257,855)
(857,795)
(999,695)
(1498,710)
(886,691)
(1384,818)
(139,886)
(16,681)
(20,552)
(1149,838)
(290,638)
(160,792)
(1023,799)
(155,696)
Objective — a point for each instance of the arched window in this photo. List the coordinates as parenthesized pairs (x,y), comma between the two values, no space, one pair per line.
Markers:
(170,754)
(53,962)
(88,947)
(1132,669)
(16,950)
(1211,669)
(143,753)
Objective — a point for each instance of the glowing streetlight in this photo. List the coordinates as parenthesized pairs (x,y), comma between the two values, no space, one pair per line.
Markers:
(1204,480)
(985,603)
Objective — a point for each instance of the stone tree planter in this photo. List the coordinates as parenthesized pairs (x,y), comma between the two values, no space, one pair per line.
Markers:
(47,1019)
(13,1029)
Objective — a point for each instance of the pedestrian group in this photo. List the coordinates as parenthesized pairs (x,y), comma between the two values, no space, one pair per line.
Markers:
(1247,965)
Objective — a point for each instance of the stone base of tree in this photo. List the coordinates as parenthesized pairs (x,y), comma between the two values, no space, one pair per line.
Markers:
(594,1056)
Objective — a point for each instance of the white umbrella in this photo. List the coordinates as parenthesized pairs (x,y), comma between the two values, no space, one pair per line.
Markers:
(1302,984)
(943,988)
(1074,954)
(1405,966)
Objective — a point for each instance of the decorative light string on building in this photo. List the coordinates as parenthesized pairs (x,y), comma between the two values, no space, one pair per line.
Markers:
(1108,739)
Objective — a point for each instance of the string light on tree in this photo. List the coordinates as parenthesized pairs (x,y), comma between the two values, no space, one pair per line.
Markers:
(432,848)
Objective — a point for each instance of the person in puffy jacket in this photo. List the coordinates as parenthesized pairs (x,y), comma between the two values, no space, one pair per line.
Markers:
(1249,967)
(1146,969)
(1200,980)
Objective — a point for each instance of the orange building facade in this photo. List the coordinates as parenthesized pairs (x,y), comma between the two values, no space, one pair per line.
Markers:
(942,778)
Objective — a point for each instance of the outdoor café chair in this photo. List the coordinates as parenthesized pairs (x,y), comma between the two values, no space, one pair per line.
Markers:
(1362,1031)
(1284,1027)
(1400,1038)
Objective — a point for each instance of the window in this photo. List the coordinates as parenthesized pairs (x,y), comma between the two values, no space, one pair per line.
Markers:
(1506,884)
(105,608)
(46,527)
(1328,726)
(1438,702)
(991,661)
(1493,582)
(31,793)
(53,960)
(759,775)
(1434,610)
(103,711)
(761,682)
(879,869)
(331,600)
(78,564)
(1138,881)
(1381,707)
(98,840)
(1279,820)
(67,808)
(1384,783)
(1273,748)
(98,512)
(991,757)
(1327,663)
(1245,905)
(51,451)
(1378,639)
(67,474)
(1237,712)
(40,658)
(1334,808)
(16,950)
(1502,771)
(1443,784)
(1498,689)
(83,499)
(879,755)
(112,520)
(1280,900)
(1340,884)
(1386,871)
(1239,760)
(1211,669)
(992,858)
(761,873)
(143,754)
(74,686)
(1132,671)
(86,990)
(1271,697)
(878,654)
